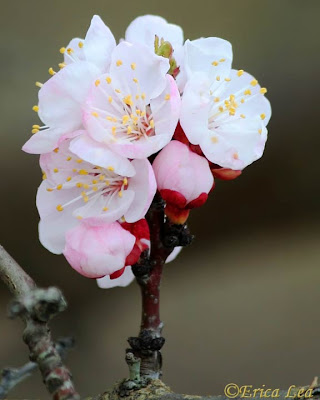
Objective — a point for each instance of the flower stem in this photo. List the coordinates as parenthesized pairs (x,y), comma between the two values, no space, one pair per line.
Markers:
(149,342)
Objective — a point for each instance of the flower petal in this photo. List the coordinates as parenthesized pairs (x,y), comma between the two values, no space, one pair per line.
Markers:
(98,250)
(212,56)
(166,108)
(143,183)
(195,108)
(44,141)
(143,30)
(124,280)
(54,224)
(99,154)
(62,96)
(135,61)
(99,44)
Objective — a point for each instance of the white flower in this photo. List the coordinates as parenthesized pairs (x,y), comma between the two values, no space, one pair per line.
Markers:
(226,117)
(61,98)
(74,189)
(134,109)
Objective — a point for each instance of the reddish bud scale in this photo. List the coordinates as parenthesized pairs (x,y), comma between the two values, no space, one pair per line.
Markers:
(140,230)
(177,209)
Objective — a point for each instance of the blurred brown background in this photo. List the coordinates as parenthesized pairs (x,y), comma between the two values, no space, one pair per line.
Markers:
(241,304)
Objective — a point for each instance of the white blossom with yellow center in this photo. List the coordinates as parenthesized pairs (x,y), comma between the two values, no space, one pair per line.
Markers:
(134,109)
(73,190)
(225,112)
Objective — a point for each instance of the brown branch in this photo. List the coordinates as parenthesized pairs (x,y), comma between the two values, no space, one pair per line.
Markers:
(11,377)
(164,236)
(36,307)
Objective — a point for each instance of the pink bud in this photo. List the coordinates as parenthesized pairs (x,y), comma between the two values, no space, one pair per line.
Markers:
(184,179)
(98,250)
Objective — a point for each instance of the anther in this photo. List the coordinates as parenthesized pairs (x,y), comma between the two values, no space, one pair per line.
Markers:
(108,79)
(240,72)
(133,66)
(119,62)
(167,97)
(263,90)
(97,82)
(262,116)
(254,82)
(59,207)
(62,50)
(80,44)
(51,71)
(215,63)
(39,84)
(35,108)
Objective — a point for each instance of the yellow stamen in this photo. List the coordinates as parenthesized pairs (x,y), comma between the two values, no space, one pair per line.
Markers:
(167,97)
(35,108)
(110,168)
(51,71)
(62,50)
(263,90)
(135,80)
(110,99)
(55,170)
(39,84)
(94,114)
(254,82)
(105,209)
(59,187)
(240,72)
(108,79)
(97,82)
(247,92)
(262,116)
(215,63)
(128,100)
(80,44)
(69,178)
(133,66)
(59,207)
(34,131)
(119,62)
(214,139)
(83,172)
(120,193)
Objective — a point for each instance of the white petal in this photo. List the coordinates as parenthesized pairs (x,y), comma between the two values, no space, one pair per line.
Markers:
(173,255)
(212,56)
(99,44)
(143,183)
(117,207)
(100,155)
(166,112)
(143,30)
(124,280)
(44,141)
(149,70)
(195,108)
(54,224)
(238,143)
(62,96)
(76,51)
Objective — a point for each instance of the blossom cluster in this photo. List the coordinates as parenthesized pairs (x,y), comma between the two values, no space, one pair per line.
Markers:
(123,121)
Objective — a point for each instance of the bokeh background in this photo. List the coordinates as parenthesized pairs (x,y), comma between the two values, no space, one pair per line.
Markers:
(242,303)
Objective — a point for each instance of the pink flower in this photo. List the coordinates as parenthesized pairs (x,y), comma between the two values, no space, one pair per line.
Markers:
(134,109)
(75,189)
(98,250)
(184,179)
